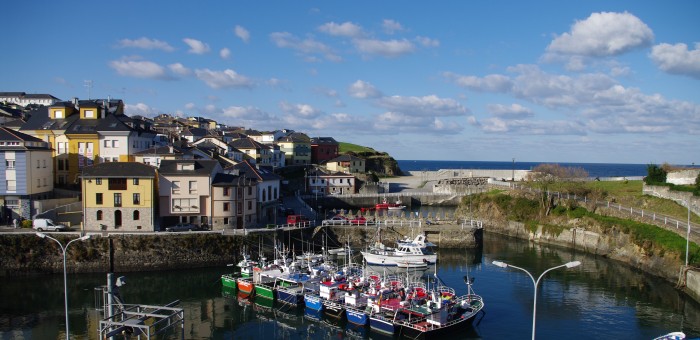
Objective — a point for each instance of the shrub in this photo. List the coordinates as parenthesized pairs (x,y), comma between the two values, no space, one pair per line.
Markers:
(26,224)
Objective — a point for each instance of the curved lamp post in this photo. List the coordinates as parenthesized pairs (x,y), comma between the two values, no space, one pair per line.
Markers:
(536,282)
(65,280)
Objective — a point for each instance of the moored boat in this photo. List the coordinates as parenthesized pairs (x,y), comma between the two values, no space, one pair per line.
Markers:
(416,251)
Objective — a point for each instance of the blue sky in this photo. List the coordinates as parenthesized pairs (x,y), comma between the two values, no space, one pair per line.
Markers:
(539,81)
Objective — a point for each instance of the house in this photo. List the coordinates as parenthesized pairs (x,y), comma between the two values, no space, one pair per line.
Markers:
(323,149)
(296,148)
(154,155)
(268,189)
(259,154)
(25,99)
(27,174)
(185,190)
(346,163)
(120,196)
(330,183)
(193,134)
(233,202)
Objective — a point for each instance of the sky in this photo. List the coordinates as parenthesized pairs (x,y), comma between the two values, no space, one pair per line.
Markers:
(538,81)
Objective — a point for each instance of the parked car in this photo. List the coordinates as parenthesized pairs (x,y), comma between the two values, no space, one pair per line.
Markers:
(336,220)
(41,224)
(297,220)
(183,227)
(361,220)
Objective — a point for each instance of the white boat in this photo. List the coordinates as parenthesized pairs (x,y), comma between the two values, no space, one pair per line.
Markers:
(672,336)
(406,252)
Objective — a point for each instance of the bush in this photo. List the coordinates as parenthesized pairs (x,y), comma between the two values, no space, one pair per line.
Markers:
(26,224)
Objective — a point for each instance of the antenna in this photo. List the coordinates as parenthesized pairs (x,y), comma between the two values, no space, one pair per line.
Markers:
(88,84)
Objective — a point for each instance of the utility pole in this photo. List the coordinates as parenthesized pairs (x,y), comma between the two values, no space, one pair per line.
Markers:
(88,84)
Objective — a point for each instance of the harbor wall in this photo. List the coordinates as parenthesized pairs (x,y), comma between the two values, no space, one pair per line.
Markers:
(25,254)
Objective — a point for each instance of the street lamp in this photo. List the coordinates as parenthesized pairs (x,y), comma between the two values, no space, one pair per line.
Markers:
(65,280)
(687,236)
(536,282)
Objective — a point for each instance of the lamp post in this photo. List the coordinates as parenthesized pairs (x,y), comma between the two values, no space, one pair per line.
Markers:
(65,279)
(536,282)
(687,235)
(513,175)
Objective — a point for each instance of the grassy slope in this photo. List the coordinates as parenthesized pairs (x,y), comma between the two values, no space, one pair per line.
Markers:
(347,147)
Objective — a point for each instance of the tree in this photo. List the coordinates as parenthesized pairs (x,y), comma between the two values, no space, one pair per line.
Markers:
(655,174)
(544,176)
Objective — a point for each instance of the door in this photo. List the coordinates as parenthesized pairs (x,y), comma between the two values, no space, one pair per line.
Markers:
(118,218)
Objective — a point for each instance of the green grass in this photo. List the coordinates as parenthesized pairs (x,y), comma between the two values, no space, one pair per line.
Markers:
(349,147)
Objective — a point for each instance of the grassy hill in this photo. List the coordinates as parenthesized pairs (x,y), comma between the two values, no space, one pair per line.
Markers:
(354,148)
(377,162)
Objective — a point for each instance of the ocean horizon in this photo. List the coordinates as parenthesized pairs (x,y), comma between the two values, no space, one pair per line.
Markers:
(593,169)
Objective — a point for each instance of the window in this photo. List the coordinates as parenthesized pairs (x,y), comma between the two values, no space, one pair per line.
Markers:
(99,215)
(227,206)
(137,215)
(137,199)
(250,191)
(45,183)
(117,199)
(185,205)
(89,114)
(250,205)
(193,187)
(227,191)
(60,164)
(98,198)
(107,143)
(98,181)
(176,187)
(38,182)
(38,164)
(58,114)
(117,184)
(225,220)
(136,181)
(115,143)
(44,163)
(10,164)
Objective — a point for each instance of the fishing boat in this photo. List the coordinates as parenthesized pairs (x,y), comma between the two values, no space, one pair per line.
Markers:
(672,336)
(383,308)
(245,270)
(386,205)
(407,252)
(290,288)
(439,313)
(245,285)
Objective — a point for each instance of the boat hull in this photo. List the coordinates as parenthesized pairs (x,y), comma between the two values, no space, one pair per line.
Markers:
(290,297)
(333,309)
(382,325)
(264,291)
(390,260)
(357,317)
(426,332)
(245,285)
(229,280)
(313,302)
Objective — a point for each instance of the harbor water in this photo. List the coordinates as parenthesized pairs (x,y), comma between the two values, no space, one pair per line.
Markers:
(599,299)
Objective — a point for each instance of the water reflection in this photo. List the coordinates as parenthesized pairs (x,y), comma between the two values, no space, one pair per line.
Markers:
(601,298)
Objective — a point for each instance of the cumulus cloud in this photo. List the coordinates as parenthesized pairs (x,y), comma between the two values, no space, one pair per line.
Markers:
(300,110)
(489,83)
(346,29)
(391,26)
(430,105)
(428,42)
(245,113)
(386,48)
(242,33)
(140,109)
(223,79)
(603,34)
(180,69)
(146,44)
(139,69)
(513,111)
(196,46)
(306,47)
(362,89)
(560,127)
(225,53)
(395,122)
(677,59)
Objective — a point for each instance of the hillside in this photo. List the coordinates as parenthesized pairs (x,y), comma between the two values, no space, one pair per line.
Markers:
(378,162)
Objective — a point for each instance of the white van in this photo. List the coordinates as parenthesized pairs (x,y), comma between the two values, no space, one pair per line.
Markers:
(41,224)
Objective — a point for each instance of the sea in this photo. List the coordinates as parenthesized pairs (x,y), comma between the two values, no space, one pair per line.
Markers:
(594,169)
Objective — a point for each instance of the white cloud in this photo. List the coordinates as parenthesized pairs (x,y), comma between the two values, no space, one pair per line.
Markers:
(560,127)
(180,69)
(386,48)
(362,89)
(242,33)
(391,26)
(489,83)
(677,59)
(307,47)
(145,43)
(603,34)
(300,110)
(395,122)
(196,46)
(223,79)
(514,111)
(428,42)
(139,69)
(245,113)
(225,53)
(139,109)
(430,105)
(346,29)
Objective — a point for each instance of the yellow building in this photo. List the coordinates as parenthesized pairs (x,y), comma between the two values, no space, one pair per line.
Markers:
(120,196)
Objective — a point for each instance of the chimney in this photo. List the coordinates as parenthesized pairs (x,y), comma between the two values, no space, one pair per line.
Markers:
(75,101)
